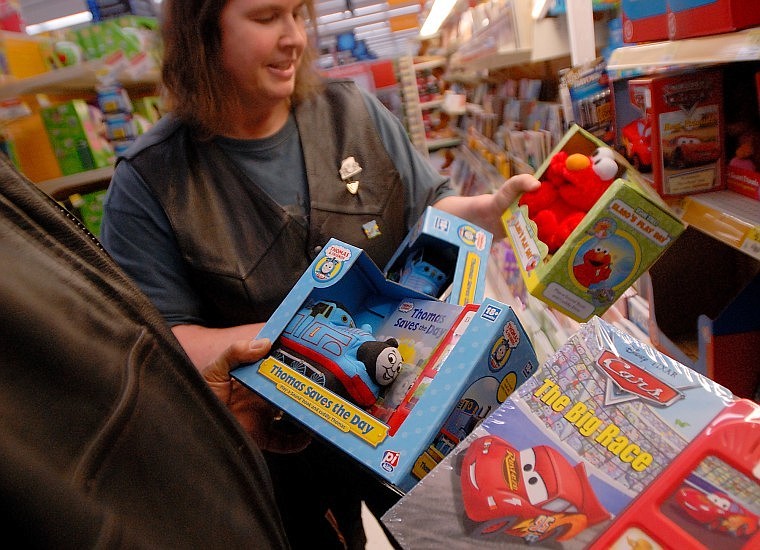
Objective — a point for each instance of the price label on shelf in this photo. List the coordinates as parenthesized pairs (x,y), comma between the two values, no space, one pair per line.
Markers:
(751,243)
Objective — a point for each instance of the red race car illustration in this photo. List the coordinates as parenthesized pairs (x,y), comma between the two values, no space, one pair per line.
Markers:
(636,138)
(685,151)
(717,511)
(534,494)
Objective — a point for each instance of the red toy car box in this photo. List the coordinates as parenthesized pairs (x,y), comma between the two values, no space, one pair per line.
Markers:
(604,422)
(685,115)
(689,18)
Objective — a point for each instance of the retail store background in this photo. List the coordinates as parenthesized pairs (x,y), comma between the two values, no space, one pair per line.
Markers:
(371,20)
(386,26)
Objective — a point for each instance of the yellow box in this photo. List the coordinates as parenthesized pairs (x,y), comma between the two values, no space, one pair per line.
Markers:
(23,56)
(35,154)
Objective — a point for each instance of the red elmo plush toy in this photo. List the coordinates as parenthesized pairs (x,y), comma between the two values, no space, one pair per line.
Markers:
(569,188)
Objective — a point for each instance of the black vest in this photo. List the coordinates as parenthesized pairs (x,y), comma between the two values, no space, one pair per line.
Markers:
(109,437)
(243,250)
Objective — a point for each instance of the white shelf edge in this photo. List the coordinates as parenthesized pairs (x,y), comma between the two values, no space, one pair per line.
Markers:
(720,48)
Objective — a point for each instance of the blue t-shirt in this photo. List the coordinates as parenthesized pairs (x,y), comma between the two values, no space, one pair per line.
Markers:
(138,235)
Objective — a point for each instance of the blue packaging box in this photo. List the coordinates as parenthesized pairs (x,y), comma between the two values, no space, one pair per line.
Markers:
(455,249)
(482,354)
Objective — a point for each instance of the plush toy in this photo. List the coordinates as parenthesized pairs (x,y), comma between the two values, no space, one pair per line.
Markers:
(570,186)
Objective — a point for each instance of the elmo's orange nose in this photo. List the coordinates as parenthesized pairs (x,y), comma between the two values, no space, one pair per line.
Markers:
(577,162)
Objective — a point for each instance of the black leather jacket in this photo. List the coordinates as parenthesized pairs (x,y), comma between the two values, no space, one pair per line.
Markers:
(109,437)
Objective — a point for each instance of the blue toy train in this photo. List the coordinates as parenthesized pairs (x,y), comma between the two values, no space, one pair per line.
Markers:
(323,343)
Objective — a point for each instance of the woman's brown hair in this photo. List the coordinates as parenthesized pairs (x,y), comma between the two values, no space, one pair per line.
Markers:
(193,82)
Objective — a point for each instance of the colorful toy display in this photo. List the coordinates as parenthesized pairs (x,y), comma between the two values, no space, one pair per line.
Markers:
(610,442)
(684,114)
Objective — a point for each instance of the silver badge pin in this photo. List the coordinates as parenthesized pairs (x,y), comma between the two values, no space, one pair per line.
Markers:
(349,168)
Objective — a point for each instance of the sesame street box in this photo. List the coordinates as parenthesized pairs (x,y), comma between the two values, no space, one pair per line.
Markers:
(444,256)
(388,374)
(579,256)
(569,459)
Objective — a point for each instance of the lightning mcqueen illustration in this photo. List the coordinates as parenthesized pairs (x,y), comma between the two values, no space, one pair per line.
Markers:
(534,494)
(717,511)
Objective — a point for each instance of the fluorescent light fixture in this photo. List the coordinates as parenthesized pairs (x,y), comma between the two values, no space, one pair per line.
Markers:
(438,14)
(60,23)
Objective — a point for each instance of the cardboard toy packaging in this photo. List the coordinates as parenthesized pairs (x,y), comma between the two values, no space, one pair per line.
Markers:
(445,366)
(444,256)
(644,20)
(684,113)
(690,18)
(620,237)
(581,444)
(73,134)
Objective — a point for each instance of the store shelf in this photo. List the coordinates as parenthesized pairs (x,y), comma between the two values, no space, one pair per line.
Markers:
(493,48)
(720,48)
(429,62)
(84,76)
(82,182)
(726,216)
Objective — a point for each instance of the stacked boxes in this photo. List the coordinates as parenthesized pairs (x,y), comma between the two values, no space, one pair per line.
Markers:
(458,364)
(644,20)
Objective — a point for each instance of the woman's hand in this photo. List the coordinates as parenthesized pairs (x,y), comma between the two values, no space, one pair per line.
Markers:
(267,425)
(485,210)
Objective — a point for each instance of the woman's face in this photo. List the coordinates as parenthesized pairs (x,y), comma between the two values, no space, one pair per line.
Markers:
(262,43)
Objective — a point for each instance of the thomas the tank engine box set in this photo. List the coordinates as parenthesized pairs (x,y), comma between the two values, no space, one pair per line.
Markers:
(609,445)
(591,229)
(392,376)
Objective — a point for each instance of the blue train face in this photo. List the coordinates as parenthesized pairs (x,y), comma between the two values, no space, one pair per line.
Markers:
(355,364)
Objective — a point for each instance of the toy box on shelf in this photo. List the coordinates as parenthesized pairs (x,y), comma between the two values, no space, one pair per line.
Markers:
(644,20)
(688,18)
(72,128)
(614,242)
(443,254)
(576,450)
(456,363)
(684,115)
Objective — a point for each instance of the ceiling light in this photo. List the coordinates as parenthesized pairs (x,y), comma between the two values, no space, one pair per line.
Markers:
(438,14)
(60,23)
